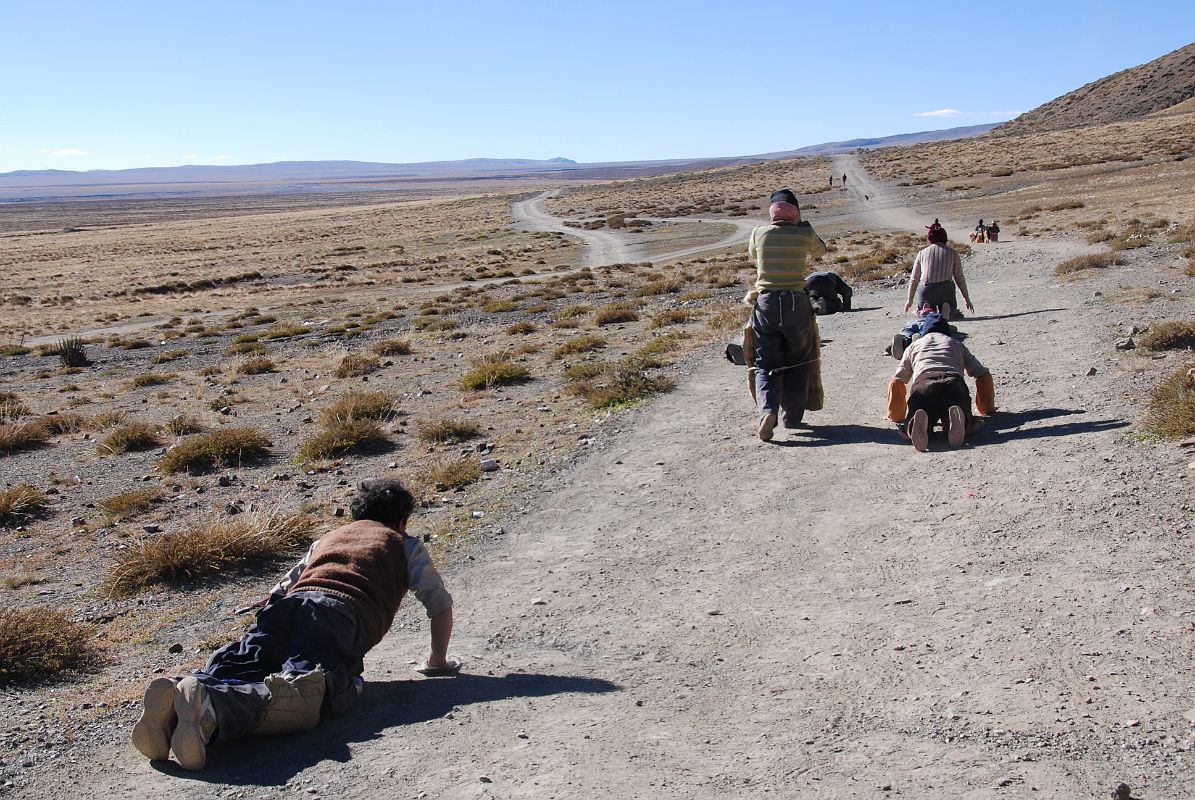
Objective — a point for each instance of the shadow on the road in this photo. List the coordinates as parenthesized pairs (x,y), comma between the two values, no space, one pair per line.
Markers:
(1017,314)
(1003,427)
(827,435)
(386,708)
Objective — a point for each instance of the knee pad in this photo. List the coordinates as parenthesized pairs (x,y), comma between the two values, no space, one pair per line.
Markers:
(295,701)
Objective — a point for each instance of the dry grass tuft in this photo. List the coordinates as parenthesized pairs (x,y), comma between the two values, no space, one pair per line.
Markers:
(1093,261)
(1172,405)
(1172,335)
(227,446)
(11,407)
(283,330)
(494,369)
(127,505)
(580,344)
(207,551)
(341,436)
(1183,233)
(615,313)
(39,644)
(129,437)
(449,474)
(447,430)
(675,316)
(619,386)
(355,364)
(151,379)
(359,405)
(25,435)
(392,347)
(255,366)
(182,424)
(19,504)
(520,328)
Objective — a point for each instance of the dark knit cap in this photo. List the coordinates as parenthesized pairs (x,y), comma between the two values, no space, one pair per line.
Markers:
(784,196)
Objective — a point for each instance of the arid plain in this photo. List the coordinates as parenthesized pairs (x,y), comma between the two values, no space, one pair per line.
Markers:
(339,337)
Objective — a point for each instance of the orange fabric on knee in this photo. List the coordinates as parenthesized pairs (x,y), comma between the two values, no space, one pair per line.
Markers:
(985,394)
(898,408)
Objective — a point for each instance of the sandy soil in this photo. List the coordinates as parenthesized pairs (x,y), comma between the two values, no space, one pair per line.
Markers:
(692,613)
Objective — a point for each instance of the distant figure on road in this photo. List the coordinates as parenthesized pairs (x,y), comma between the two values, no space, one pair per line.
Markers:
(866,198)
(844,180)
(940,267)
(785,342)
(993,232)
(302,657)
(933,366)
(831,181)
(828,293)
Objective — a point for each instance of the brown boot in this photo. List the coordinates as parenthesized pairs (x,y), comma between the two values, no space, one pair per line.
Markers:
(956,426)
(919,430)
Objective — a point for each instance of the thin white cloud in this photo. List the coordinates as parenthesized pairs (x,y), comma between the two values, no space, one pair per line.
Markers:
(148,156)
(941,112)
(189,157)
(219,158)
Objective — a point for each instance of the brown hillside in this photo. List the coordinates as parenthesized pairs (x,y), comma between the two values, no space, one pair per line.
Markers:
(1128,94)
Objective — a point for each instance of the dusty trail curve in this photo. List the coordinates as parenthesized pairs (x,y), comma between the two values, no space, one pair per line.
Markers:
(691,613)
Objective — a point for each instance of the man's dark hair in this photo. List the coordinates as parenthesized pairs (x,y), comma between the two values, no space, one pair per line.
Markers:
(383,500)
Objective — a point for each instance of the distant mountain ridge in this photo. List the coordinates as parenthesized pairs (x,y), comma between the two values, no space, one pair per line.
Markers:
(300,176)
(1129,94)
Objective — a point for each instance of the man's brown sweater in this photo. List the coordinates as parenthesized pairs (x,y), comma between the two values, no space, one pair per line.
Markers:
(364,562)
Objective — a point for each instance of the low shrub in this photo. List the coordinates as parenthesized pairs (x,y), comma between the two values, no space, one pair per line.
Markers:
(207,551)
(341,436)
(223,447)
(39,644)
(169,355)
(1171,335)
(499,306)
(71,353)
(1171,411)
(19,504)
(356,364)
(433,324)
(447,430)
(520,328)
(129,437)
(11,407)
(65,422)
(494,369)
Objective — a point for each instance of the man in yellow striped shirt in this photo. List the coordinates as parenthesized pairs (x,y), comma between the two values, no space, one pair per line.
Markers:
(782,319)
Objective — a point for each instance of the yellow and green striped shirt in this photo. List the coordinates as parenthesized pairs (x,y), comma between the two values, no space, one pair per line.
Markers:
(782,251)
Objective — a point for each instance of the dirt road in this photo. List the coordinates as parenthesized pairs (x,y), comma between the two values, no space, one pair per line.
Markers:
(692,613)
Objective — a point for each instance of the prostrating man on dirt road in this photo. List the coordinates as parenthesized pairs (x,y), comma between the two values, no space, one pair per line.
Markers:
(933,366)
(782,326)
(828,293)
(303,655)
(936,270)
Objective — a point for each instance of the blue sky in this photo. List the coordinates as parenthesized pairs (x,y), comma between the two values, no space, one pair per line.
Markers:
(127,84)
